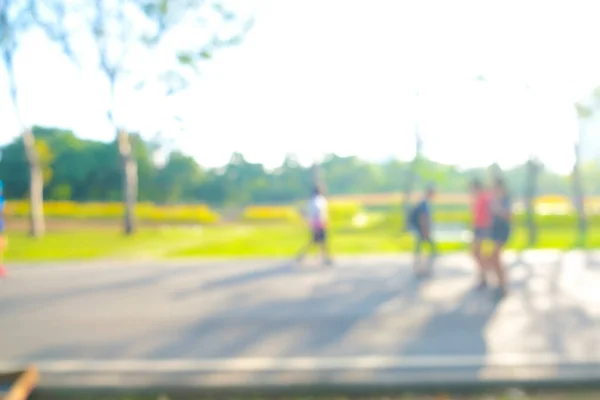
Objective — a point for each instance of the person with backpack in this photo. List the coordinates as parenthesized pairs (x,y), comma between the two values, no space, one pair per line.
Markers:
(421,224)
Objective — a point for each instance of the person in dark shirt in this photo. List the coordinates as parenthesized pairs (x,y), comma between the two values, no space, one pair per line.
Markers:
(421,225)
(500,232)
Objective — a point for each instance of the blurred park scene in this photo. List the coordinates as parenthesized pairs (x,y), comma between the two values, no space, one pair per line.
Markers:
(161,154)
(245,209)
(138,160)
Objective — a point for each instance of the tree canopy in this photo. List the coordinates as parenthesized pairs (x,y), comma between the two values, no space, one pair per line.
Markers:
(86,170)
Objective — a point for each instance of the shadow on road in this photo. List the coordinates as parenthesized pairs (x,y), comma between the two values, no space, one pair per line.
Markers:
(278,269)
(310,325)
(591,260)
(46,299)
(555,321)
(450,330)
(276,311)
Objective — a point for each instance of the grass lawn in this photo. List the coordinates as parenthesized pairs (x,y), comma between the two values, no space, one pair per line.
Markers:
(93,242)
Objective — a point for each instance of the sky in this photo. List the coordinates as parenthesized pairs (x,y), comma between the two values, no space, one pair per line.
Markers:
(314,77)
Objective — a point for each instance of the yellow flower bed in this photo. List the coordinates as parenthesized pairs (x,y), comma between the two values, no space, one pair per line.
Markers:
(199,213)
(552,199)
(338,211)
(344,210)
(271,214)
(557,204)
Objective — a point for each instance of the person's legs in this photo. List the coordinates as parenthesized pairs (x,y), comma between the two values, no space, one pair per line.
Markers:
(417,267)
(326,254)
(432,255)
(304,250)
(321,239)
(479,260)
(497,265)
(500,235)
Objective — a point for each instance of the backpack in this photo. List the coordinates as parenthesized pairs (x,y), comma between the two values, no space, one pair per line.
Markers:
(414,214)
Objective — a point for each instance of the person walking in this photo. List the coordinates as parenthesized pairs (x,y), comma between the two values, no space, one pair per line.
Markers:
(317,215)
(500,232)
(421,225)
(2,237)
(482,222)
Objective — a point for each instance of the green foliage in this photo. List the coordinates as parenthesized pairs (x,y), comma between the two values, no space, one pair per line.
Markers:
(46,158)
(89,171)
(583,111)
(62,192)
(344,211)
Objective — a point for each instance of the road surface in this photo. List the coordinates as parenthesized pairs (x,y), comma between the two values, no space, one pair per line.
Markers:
(365,321)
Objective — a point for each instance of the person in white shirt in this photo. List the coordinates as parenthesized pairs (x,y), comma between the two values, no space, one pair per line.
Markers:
(317,215)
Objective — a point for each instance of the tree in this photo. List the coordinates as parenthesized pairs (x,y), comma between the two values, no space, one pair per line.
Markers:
(412,172)
(178,178)
(583,113)
(290,181)
(317,176)
(531,180)
(15,20)
(123,33)
(495,171)
(86,170)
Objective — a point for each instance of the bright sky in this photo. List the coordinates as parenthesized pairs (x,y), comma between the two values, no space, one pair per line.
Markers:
(339,76)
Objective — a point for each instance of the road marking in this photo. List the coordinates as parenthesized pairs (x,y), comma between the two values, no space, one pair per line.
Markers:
(303,363)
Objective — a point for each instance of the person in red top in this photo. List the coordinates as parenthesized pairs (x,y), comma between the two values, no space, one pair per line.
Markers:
(482,223)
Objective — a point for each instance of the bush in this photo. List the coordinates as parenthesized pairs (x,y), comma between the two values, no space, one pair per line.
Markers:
(339,212)
(198,213)
(344,211)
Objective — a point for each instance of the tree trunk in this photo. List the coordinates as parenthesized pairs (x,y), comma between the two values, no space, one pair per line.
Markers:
(317,176)
(530,195)
(130,181)
(495,171)
(411,177)
(579,199)
(37,226)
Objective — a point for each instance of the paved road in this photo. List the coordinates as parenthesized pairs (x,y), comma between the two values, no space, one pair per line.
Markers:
(250,322)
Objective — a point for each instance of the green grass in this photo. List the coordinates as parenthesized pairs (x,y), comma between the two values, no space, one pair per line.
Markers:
(238,241)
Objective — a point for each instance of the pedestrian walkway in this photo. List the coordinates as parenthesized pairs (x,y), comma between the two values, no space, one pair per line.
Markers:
(261,322)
